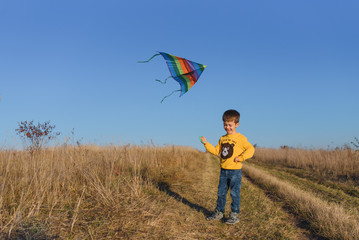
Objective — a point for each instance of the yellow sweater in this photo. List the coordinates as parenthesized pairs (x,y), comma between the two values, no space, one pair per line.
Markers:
(229,147)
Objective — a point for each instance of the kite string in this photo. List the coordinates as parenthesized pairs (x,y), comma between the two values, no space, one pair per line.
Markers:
(169,95)
(149,59)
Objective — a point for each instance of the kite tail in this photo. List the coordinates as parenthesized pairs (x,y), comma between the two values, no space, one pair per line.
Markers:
(169,95)
(164,82)
(149,59)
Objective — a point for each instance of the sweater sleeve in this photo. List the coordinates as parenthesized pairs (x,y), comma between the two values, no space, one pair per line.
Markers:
(211,149)
(248,151)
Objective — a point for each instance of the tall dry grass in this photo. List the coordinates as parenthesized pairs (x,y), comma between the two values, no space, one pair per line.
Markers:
(333,164)
(85,192)
(327,219)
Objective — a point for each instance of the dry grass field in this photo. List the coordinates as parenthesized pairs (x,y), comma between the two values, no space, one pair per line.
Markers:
(339,164)
(319,186)
(150,192)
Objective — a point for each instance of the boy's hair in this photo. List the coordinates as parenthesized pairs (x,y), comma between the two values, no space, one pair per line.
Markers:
(231,115)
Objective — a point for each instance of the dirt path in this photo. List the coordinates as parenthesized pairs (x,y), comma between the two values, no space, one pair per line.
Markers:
(260,218)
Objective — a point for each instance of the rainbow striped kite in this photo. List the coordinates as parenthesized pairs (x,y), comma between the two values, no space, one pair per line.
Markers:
(185,72)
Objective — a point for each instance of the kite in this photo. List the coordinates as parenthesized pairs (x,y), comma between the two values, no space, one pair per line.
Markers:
(184,71)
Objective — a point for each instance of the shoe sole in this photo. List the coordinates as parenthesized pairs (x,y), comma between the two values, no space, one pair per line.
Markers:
(231,222)
(212,219)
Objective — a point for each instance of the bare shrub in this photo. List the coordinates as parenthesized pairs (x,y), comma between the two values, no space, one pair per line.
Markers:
(36,136)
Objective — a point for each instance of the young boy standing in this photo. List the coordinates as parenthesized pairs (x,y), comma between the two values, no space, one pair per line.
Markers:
(232,148)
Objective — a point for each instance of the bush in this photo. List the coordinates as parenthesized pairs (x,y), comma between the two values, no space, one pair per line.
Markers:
(36,137)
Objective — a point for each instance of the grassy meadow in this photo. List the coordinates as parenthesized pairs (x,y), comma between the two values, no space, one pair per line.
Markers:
(151,192)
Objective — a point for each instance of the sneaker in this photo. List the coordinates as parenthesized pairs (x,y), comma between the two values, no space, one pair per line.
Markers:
(233,218)
(216,215)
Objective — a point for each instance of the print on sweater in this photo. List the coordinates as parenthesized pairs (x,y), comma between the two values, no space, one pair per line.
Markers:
(227,150)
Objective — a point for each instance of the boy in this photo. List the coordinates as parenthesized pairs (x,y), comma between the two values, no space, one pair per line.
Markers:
(232,148)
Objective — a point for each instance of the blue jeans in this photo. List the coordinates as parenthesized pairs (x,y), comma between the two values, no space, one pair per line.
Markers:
(229,179)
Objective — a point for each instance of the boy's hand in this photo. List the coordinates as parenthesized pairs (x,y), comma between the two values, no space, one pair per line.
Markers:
(236,159)
(203,139)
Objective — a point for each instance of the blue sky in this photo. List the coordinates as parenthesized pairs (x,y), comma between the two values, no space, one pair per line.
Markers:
(291,68)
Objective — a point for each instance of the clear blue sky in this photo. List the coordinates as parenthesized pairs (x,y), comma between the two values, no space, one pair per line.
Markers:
(291,68)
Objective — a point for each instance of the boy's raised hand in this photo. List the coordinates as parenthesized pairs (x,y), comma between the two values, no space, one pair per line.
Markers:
(203,139)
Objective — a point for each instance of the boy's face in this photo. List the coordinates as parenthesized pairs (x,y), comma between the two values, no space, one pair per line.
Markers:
(230,127)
